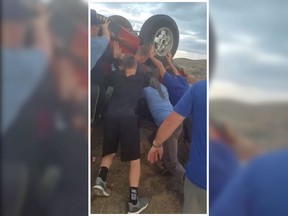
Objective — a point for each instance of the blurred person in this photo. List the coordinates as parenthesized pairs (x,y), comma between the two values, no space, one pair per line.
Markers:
(243,148)
(142,54)
(176,84)
(192,103)
(98,43)
(159,105)
(41,141)
(23,67)
(121,125)
(259,189)
(223,163)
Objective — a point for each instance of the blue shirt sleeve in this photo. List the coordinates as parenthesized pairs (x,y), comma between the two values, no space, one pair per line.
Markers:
(98,47)
(145,91)
(184,106)
(167,80)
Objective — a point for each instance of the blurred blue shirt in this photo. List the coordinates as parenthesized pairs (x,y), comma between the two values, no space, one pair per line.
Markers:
(223,165)
(22,71)
(160,108)
(259,189)
(98,47)
(194,103)
(176,86)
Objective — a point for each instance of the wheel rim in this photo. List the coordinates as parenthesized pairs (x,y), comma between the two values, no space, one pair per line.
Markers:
(163,41)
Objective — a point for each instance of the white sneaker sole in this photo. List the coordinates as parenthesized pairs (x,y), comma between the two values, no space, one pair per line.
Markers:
(140,210)
(99,191)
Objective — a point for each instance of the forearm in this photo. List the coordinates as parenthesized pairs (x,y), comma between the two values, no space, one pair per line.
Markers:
(159,65)
(167,128)
(43,39)
(172,66)
(106,33)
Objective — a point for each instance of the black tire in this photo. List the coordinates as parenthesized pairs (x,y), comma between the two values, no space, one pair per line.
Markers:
(122,22)
(151,29)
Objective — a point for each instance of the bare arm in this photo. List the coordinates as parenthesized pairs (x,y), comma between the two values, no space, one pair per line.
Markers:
(117,51)
(105,30)
(170,124)
(43,39)
(171,65)
(156,62)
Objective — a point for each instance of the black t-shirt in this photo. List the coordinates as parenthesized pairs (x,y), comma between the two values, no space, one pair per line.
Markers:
(126,94)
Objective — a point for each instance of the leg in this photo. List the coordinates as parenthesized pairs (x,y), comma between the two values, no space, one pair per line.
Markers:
(111,139)
(95,92)
(194,199)
(107,160)
(134,175)
(130,151)
(170,155)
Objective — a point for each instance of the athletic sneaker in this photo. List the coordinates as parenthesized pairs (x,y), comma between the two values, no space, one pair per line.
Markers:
(100,188)
(142,204)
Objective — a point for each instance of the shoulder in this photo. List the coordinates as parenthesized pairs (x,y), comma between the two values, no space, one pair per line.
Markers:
(163,87)
(147,91)
(167,75)
(270,160)
(199,87)
(200,84)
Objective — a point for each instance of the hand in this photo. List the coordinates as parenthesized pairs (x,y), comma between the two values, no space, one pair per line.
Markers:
(105,24)
(117,51)
(151,51)
(169,56)
(155,154)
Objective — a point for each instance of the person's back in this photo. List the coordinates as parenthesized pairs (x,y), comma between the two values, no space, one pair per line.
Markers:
(126,93)
(259,189)
(176,85)
(196,166)
(159,107)
(121,128)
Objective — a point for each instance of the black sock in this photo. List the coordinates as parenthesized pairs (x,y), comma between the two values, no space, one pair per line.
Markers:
(103,171)
(133,195)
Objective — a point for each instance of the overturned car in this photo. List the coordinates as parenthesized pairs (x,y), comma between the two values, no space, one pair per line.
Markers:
(161,31)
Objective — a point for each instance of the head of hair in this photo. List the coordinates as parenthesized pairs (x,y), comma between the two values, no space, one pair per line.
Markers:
(151,79)
(143,51)
(128,62)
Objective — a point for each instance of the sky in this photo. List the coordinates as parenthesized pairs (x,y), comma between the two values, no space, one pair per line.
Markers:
(252,50)
(190,17)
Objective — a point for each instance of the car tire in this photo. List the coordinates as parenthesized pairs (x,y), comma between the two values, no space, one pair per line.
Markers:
(161,31)
(122,22)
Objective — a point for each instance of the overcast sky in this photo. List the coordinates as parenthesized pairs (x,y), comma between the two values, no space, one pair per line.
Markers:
(190,18)
(252,58)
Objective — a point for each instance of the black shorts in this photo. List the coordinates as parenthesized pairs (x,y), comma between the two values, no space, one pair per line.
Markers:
(123,130)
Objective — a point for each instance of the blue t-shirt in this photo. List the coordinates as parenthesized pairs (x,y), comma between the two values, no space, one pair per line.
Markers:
(160,108)
(176,86)
(193,103)
(223,164)
(23,70)
(98,47)
(259,189)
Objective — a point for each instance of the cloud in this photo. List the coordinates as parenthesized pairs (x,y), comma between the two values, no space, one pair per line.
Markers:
(230,90)
(252,45)
(189,55)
